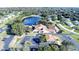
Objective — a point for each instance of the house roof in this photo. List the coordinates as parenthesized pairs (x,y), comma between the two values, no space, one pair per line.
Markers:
(48,30)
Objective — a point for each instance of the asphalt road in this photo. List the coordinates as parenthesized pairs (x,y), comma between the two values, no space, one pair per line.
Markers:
(70,39)
(7,41)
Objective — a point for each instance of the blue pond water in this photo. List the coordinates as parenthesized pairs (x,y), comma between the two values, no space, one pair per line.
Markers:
(31,20)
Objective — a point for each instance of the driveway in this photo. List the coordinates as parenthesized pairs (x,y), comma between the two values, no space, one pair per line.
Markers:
(1,30)
(7,41)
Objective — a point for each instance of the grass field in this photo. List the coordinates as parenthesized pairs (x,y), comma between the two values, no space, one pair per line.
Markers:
(75,37)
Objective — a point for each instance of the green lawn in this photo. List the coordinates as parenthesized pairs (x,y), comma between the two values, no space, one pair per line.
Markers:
(2,35)
(76,31)
(5,22)
(64,31)
(76,37)
(66,26)
(9,20)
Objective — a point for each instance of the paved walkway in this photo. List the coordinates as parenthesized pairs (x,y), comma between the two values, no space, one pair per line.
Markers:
(1,44)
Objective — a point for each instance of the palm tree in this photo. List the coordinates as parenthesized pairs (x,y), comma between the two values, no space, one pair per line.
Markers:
(43,38)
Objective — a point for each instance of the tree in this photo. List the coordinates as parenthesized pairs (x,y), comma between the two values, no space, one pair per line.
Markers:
(1,14)
(18,28)
(44,22)
(59,17)
(54,17)
(48,47)
(43,38)
(9,29)
(65,45)
(54,47)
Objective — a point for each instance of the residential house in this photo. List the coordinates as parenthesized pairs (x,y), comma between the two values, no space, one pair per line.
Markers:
(69,23)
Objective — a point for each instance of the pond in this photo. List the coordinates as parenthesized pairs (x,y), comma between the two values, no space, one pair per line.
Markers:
(33,20)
